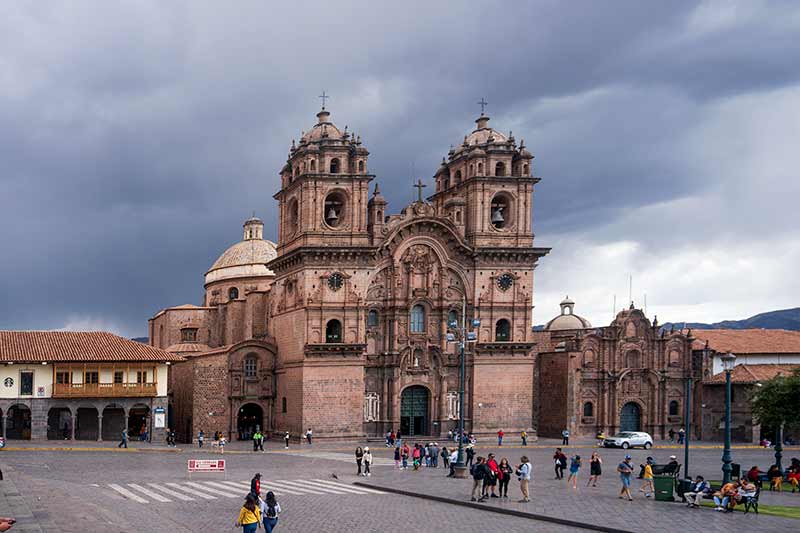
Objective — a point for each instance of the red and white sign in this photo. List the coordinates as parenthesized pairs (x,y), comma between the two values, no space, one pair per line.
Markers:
(206,465)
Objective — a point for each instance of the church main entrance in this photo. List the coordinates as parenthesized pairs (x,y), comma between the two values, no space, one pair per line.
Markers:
(249,419)
(630,419)
(414,411)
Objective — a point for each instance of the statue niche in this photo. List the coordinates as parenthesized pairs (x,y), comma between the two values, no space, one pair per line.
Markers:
(420,268)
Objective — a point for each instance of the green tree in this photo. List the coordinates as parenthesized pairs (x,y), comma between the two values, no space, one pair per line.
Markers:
(777,401)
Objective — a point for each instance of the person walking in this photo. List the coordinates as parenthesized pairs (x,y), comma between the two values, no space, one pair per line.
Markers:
(490,481)
(406,451)
(524,474)
(249,515)
(625,469)
(435,455)
(500,435)
(595,469)
(397,456)
(367,461)
(286,440)
(574,468)
(524,436)
(565,437)
(470,454)
(255,486)
(222,444)
(560,461)
(504,476)
(453,459)
(681,435)
(445,457)
(200,438)
(124,441)
(478,473)
(671,434)
(647,483)
(309,434)
(416,455)
(359,459)
(256,437)
(269,508)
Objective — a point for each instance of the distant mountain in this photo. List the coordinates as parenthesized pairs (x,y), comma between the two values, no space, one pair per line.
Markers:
(782,319)
(143,340)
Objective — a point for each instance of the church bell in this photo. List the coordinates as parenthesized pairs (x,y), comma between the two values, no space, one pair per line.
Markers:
(497,215)
(332,214)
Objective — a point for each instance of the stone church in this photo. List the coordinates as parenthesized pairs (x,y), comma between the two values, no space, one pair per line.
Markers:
(343,325)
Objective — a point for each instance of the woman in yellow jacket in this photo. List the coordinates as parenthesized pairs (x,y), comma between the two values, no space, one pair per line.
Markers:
(249,515)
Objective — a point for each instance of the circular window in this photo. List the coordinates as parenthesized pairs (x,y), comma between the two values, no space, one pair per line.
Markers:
(505,282)
(335,281)
(335,204)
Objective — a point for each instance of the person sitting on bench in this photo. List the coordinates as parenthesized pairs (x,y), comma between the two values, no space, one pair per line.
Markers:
(699,488)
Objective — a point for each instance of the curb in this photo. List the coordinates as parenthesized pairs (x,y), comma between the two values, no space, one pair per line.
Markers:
(87,449)
(510,512)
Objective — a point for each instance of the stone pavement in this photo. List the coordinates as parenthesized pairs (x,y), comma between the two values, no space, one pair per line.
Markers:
(13,505)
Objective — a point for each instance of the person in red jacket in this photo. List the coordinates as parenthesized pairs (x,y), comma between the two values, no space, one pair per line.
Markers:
(500,436)
(491,481)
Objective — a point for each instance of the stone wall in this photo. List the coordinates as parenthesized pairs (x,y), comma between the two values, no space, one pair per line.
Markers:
(554,403)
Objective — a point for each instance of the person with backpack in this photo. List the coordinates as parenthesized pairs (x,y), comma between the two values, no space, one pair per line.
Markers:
(367,461)
(269,511)
(478,472)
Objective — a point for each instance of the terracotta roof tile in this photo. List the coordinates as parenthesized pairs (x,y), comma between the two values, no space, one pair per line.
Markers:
(743,341)
(743,374)
(20,346)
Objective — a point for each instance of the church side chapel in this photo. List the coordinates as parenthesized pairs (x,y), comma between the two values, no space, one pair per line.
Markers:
(342,326)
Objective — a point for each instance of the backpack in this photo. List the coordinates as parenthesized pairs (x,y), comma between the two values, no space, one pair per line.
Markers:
(271,512)
(477,471)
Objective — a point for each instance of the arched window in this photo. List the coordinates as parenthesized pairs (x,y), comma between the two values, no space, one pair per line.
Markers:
(500,169)
(452,317)
(471,170)
(313,165)
(372,318)
(361,166)
(673,408)
(283,404)
(480,169)
(501,211)
(418,319)
(333,331)
(250,366)
(524,170)
(502,330)
(294,215)
(458,177)
(233,293)
(335,204)
(335,165)
(588,410)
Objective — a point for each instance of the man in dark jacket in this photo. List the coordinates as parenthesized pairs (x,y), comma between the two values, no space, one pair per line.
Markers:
(255,486)
(478,472)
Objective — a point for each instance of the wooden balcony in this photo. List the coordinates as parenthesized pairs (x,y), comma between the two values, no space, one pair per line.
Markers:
(103,390)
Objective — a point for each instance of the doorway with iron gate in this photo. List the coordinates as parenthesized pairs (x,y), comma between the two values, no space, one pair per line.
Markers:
(414,404)
(630,418)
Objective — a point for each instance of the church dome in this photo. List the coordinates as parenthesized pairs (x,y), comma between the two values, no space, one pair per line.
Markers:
(323,129)
(567,319)
(246,258)
(482,137)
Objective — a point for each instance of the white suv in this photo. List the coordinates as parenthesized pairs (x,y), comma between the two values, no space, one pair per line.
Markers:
(629,439)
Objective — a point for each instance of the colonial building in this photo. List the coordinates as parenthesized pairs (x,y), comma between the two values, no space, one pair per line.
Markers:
(345,329)
(81,385)
(627,376)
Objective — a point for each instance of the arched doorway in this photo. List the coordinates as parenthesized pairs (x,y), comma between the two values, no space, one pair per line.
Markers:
(18,422)
(59,423)
(630,418)
(113,422)
(249,419)
(414,411)
(137,421)
(86,424)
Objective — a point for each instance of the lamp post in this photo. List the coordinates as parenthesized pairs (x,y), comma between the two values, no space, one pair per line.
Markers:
(728,361)
(460,469)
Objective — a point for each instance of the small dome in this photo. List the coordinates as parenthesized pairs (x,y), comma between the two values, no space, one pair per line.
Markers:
(247,258)
(567,319)
(483,133)
(188,348)
(323,129)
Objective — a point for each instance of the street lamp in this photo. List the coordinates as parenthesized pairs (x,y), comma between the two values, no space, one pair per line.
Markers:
(460,469)
(728,362)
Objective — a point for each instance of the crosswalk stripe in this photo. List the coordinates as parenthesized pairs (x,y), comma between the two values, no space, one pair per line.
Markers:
(240,490)
(150,493)
(246,485)
(341,486)
(288,489)
(212,490)
(363,489)
(192,491)
(304,487)
(128,494)
(172,493)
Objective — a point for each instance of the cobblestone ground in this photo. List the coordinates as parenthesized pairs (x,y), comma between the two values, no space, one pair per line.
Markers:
(109,491)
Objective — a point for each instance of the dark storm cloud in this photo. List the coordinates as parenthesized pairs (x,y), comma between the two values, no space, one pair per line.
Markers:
(136,137)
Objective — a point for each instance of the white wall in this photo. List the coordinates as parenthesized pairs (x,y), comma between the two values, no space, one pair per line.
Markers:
(756,359)
(42,377)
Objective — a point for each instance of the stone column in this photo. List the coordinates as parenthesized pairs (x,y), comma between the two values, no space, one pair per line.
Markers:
(3,423)
(74,423)
(443,420)
(99,428)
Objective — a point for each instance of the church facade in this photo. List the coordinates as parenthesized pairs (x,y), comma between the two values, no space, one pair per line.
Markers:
(345,325)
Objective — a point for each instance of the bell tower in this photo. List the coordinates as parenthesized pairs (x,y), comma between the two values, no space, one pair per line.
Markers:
(324,189)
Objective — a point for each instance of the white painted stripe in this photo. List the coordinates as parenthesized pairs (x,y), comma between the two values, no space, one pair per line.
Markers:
(304,486)
(191,491)
(338,486)
(172,493)
(356,489)
(212,490)
(150,493)
(246,486)
(128,494)
(289,489)
(239,490)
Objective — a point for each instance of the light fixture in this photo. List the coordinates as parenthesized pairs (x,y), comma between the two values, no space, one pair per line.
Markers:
(728,361)
(44,362)
(10,363)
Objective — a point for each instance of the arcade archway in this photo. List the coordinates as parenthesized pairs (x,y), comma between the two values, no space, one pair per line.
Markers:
(18,422)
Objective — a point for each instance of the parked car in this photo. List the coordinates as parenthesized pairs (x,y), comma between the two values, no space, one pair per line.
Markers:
(629,439)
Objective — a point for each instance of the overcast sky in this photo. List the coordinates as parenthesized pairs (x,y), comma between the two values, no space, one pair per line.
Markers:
(135,138)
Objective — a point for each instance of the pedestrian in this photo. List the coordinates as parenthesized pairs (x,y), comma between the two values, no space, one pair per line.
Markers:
(397,457)
(415,456)
(221,444)
(256,437)
(504,476)
(490,481)
(500,435)
(359,459)
(269,508)
(560,461)
(565,437)
(625,469)
(524,474)
(367,461)
(406,451)
(470,454)
(449,434)
(309,434)
(255,486)
(249,515)
(261,441)
(387,436)
(524,436)
(595,469)
(435,455)
(671,434)
(392,438)
(426,454)
(647,484)
(445,457)
(286,440)
(124,441)
(681,435)
(143,433)
(574,468)
(453,459)
(478,473)
(200,438)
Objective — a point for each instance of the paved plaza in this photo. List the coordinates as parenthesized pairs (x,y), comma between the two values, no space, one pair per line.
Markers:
(147,488)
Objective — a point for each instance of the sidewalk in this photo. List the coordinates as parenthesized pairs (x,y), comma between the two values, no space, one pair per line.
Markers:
(13,505)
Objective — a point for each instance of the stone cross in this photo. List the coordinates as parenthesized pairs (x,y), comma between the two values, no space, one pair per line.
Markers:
(419,185)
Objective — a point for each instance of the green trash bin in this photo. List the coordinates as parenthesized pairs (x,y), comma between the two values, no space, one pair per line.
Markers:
(665,487)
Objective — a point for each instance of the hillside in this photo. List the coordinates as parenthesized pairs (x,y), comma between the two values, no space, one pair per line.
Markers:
(781,319)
